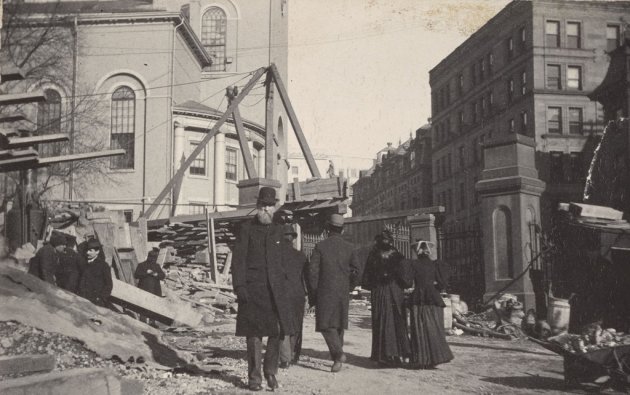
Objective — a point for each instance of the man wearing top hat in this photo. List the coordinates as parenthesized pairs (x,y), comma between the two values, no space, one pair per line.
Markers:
(260,280)
(329,276)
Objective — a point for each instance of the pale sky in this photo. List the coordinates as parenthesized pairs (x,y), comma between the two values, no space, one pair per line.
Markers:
(359,69)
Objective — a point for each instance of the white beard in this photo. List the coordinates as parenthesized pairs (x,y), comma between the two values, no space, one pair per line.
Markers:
(264,217)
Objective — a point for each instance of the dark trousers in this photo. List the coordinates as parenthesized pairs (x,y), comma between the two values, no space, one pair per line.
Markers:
(254,356)
(334,341)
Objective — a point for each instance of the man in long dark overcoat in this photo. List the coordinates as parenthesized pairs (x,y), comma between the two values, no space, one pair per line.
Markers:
(291,346)
(260,280)
(329,275)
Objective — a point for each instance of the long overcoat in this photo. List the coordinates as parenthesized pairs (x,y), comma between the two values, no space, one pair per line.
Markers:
(259,267)
(329,271)
(296,266)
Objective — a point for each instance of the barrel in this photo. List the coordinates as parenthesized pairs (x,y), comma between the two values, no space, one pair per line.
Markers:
(558,313)
(454,302)
(448,313)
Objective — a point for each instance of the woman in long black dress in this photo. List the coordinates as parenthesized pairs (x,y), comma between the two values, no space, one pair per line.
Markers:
(383,277)
(428,340)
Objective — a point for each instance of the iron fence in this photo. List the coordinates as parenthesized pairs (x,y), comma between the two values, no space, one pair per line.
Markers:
(463,254)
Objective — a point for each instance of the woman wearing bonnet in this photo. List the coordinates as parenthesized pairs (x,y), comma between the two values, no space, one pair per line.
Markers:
(428,340)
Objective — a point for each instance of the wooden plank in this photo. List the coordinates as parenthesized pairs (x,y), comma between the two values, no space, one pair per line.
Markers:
(105,234)
(226,267)
(207,306)
(12,118)
(123,268)
(21,98)
(83,156)
(212,244)
(128,263)
(284,96)
(12,364)
(138,233)
(17,142)
(135,297)
(590,210)
(203,143)
(242,140)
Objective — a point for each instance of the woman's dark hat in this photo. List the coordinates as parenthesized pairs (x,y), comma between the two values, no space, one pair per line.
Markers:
(57,239)
(267,196)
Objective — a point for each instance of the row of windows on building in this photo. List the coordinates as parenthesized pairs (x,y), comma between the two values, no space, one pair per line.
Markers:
(574,34)
(122,133)
(484,66)
(443,166)
(480,70)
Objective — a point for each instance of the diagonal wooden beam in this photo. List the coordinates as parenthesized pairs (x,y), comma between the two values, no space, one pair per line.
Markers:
(310,161)
(193,155)
(242,140)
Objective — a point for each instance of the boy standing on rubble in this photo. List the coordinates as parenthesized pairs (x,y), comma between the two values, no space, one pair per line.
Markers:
(96,279)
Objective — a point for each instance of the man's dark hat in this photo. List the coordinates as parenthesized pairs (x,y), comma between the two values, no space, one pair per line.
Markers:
(267,196)
(288,230)
(93,243)
(335,220)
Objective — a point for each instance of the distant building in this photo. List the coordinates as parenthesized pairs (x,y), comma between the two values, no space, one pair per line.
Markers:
(399,179)
(526,71)
(347,166)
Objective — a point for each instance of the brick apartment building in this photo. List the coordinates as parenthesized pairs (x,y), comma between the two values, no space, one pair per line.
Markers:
(399,180)
(526,71)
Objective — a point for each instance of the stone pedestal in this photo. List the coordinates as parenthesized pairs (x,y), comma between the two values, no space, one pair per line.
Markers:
(510,192)
(422,227)
(248,190)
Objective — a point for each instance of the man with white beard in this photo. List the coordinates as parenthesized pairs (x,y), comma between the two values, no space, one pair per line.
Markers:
(260,280)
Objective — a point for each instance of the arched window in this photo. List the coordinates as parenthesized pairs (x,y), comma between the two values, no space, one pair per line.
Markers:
(49,121)
(213,33)
(123,127)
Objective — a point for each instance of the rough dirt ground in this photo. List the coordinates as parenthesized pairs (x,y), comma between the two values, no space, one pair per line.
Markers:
(481,365)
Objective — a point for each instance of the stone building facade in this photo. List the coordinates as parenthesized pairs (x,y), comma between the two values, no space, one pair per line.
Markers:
(156,73)
(527,71)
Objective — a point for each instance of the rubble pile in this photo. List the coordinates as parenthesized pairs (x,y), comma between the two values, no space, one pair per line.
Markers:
(69,353)
(591,339)
(194,283)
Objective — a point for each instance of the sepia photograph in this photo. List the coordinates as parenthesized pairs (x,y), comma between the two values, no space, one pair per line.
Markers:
(314,197)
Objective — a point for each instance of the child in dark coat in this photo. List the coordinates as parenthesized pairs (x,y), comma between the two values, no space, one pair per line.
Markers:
(149,274)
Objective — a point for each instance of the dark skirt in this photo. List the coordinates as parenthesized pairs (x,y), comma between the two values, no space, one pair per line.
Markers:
(389,324)
(428,341)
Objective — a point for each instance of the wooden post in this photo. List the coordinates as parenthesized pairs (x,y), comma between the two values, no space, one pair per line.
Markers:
(242,137)
(270,151)
(212,244)
(204,142)
(284,96)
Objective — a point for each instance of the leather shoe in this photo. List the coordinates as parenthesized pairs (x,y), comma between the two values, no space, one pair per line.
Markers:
(255,387)
(284,365)
(336,366)
(271,381)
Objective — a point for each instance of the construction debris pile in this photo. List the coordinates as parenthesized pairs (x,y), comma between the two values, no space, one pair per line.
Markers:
(592,338)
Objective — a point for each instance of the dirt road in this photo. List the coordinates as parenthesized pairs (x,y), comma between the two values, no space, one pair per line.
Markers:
(481,366)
